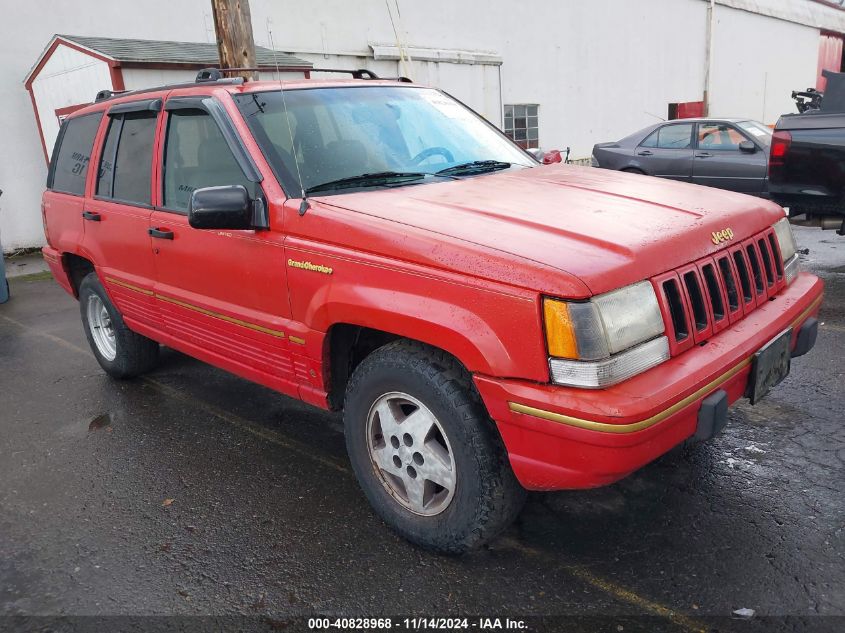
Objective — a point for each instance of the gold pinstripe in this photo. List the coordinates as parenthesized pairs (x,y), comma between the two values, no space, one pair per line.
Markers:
(190,306)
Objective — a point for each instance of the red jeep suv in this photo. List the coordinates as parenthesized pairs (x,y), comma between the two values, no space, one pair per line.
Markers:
(486,323)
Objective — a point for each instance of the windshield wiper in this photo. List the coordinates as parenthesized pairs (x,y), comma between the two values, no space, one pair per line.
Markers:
(368,180)
(474,166)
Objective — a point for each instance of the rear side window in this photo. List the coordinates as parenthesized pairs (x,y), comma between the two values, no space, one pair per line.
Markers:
(126,162)
(72,153)
(670,137)
(196,155)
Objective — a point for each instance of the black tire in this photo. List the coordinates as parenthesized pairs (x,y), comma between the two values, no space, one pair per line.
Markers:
(487,496)
(633,170)
(135,354)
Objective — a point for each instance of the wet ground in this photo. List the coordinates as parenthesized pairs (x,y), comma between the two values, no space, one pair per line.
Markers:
(191,492)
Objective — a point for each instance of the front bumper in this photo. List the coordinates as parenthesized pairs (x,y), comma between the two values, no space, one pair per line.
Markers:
(562,437)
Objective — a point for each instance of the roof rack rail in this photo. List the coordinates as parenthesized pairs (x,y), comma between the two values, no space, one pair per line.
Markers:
(216,74)
(208,74)
(107,94)
(212,73)
(360,73)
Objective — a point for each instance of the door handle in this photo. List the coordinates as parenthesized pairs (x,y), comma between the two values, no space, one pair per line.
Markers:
(703,155)
(644,153)
(163,234)
(93,217)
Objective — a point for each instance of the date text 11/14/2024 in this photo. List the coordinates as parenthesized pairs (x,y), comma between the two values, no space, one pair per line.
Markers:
(417,624)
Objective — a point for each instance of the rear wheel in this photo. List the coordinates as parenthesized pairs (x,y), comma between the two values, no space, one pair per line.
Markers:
(424,450)
(121,352)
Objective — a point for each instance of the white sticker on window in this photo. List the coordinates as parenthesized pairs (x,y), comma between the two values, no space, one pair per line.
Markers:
(446,106)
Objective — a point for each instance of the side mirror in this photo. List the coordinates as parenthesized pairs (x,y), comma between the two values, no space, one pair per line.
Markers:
(747,147)
(552,156)
(220,208)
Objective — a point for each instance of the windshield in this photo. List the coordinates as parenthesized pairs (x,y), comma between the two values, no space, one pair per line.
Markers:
(758,131)
(342,133)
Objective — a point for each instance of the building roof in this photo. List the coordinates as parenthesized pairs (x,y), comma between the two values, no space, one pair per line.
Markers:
(140,53)
(164,52)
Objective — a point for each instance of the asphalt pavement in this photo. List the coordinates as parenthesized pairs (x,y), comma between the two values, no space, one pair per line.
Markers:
(211,502)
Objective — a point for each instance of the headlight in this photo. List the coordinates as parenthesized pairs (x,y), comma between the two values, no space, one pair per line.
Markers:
(611,370)
(788,250)
(607,339)
(786,240)
(791,269)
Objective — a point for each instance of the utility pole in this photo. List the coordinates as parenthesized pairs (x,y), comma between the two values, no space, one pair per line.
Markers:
(233,26)
(708,55)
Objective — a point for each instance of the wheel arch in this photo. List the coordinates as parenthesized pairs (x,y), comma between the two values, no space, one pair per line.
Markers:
(77,267)
(348,343)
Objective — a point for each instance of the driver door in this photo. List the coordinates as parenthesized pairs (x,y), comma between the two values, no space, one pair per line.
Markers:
(222,295)
(719,162)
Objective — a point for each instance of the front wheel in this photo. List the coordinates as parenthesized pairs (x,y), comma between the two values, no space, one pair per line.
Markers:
(424,450)
(121,352)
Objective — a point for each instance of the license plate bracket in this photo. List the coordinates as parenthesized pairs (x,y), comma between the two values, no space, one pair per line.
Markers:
(769,366)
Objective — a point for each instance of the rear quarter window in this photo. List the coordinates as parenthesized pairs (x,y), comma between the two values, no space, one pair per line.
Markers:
(72,153)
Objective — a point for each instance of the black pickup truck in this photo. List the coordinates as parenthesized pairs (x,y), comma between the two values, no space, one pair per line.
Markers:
(807,160)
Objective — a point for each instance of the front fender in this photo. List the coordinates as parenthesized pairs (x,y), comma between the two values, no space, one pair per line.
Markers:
(490,329)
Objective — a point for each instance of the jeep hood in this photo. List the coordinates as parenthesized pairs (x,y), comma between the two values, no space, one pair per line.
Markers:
(607,228)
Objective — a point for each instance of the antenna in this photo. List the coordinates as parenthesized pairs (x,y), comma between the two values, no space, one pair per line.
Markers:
(303,206)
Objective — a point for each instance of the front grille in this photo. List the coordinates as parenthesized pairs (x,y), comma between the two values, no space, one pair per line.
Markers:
(677,310)
(706,296)
(744,276)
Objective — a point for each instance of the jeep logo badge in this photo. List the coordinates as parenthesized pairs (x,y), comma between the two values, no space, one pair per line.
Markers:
(722,236)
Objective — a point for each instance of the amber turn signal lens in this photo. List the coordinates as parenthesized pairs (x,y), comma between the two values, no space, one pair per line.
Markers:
(560,333)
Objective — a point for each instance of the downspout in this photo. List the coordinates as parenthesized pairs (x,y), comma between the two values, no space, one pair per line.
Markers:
(501,101)
(708,54)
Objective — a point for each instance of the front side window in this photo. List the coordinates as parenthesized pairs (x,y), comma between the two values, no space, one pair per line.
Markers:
(196,155)
(72,154)
(522,125)
(334,133)
(719,136)
(126,162)
(670,137)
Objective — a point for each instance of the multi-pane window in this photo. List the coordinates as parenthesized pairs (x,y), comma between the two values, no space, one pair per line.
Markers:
(521,124)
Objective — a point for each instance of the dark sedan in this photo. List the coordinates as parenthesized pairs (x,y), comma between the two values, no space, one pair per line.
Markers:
(725,153)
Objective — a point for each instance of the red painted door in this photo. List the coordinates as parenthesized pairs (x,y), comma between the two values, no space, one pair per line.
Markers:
(117,215)
(222,294)
(830,56)
(68,181)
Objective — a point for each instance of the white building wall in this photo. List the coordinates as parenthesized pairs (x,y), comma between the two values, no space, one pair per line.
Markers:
(599,69)
(757,62)
(603,69)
